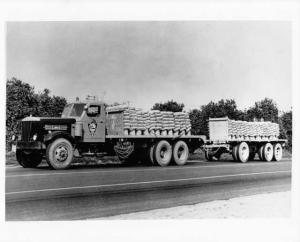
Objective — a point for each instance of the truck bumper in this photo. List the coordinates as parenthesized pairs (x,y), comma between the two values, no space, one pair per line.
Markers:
(30,145)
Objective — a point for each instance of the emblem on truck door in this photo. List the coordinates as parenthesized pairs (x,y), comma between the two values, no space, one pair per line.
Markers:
(92,127)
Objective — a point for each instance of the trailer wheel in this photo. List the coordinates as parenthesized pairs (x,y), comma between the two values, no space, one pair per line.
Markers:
(234,152)
(261,153)
(268,152)
(243,152)
(180,153)
(163,153)
(29,159)
(59,154)
(277,152)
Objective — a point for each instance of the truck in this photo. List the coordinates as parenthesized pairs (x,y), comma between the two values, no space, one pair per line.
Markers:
(94,129)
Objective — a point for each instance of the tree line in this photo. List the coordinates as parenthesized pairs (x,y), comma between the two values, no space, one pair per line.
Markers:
(22,100)
(265,109)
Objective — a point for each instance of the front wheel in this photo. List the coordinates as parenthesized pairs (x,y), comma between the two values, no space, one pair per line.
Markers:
(29,159)
(59,154)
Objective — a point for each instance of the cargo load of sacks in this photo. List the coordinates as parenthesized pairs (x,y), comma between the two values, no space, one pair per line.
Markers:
(252,130)
(154,122)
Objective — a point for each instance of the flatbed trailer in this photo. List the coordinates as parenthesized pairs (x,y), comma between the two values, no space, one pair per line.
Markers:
(241,147)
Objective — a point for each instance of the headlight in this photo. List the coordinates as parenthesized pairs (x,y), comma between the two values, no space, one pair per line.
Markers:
(13,138)
(34,137)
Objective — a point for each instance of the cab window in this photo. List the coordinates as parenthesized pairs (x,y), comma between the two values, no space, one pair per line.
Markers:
(93,110)
(77,110)
(73,110)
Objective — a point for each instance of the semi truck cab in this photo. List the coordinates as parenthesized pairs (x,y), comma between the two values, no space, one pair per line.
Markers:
(82,124)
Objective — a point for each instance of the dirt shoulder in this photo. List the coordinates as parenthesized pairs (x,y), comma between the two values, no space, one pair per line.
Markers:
(270,205)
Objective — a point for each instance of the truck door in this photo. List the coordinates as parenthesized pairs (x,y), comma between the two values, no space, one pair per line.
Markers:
(94,123)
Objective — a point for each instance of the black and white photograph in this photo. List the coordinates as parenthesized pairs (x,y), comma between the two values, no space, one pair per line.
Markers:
(125,120)
(149,119)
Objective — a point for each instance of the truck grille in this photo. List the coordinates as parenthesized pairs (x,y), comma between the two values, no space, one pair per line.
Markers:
(26,130)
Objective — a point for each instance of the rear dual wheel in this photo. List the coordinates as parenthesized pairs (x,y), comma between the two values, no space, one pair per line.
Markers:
(266,152)
(163,153)
(241,152)
(269,152)
(180,153)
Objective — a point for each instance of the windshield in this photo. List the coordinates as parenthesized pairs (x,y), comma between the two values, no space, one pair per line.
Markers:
(73,110)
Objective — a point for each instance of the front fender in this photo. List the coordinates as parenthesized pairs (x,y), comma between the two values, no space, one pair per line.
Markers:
(58,134)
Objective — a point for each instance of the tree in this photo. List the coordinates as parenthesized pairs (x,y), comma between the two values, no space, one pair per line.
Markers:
(169,106)
(199,117)
(22,101)
(266,109)
(286,127)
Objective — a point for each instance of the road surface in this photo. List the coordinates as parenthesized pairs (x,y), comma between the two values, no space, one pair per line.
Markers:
(97,191)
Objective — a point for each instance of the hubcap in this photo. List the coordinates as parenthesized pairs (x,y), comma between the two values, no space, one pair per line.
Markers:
(181,153)
(61,153)
(244,153)
(163,153)
(278,152)
(268,152)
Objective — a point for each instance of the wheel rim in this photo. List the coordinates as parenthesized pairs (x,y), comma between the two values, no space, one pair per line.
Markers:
(244,152)
(61,153)
(164,154)
(181,153)
(268,152)
(278,152)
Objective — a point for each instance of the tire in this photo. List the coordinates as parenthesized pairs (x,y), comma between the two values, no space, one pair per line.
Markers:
(30,159)
(243,152)
(277,152)
(268,152)
(59,154)
(260,153)
(234,152)
(162,153)
(151,154)
(180,153)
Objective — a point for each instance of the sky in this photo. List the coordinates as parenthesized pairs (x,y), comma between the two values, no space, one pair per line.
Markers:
(191,62)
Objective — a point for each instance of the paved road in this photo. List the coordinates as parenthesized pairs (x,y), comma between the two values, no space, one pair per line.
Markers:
(88,192)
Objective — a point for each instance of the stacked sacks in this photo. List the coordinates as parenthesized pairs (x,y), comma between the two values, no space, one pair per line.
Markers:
(167,122)
(153,127)
(146,121)
(188,124)
(140,122)
(180,123)
(133,120)
(126,121)
(252,130)
(154,122)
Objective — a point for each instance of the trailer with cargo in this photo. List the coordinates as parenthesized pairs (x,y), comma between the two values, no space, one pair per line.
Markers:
(243,140)
(159,138)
